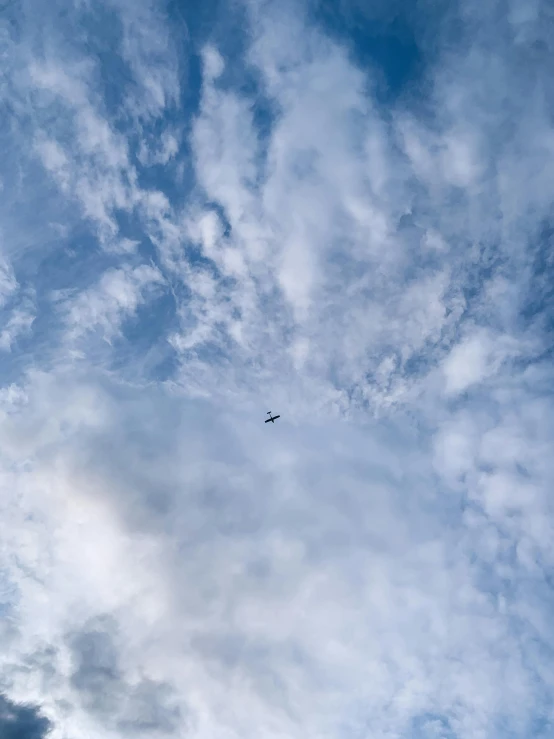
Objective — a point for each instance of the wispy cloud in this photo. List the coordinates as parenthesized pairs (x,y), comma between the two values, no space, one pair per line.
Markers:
(115,298)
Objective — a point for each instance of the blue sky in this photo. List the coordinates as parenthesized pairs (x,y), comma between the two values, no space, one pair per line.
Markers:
(336,210)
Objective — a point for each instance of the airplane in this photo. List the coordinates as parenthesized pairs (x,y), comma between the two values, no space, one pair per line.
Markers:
(271,418)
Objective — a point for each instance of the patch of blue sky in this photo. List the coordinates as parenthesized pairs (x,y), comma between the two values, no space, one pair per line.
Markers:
(75,264)
(431,726)
(132,244)
(34,217)
(30,349)
(174,177)
(537,301)
(383,40)
(144,352)
(214,352)
(541,727)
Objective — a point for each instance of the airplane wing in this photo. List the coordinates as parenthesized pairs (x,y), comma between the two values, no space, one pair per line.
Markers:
(268,420)
(274,417)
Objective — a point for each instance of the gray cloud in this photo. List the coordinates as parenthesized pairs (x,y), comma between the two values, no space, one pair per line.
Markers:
(140,708)
(96,675)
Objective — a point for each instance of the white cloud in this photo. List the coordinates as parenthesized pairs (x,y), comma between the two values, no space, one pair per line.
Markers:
(116,297)
(55,161)
(475,358)
(461,160)
(274,604)
(162,152)
(20,321)
(8,282)
(213,63)
(148,47)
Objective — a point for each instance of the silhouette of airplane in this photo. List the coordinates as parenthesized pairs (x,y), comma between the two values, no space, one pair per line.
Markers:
(271,418)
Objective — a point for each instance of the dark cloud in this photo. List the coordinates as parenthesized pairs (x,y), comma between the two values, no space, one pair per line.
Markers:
(148,710)
(98,677)
(21,722)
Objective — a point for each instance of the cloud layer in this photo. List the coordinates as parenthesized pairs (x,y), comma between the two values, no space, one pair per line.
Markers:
(207,214)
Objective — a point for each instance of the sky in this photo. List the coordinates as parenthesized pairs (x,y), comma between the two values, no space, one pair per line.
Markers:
(336,210)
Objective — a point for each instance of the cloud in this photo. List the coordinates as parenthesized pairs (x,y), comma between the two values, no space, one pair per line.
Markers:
(19,322)
(90,161)
(198,232)
(148,47)
(473,360)
(278,603)
(97,678)
(164,151)
(17,307)
(8,283)
(116,297)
